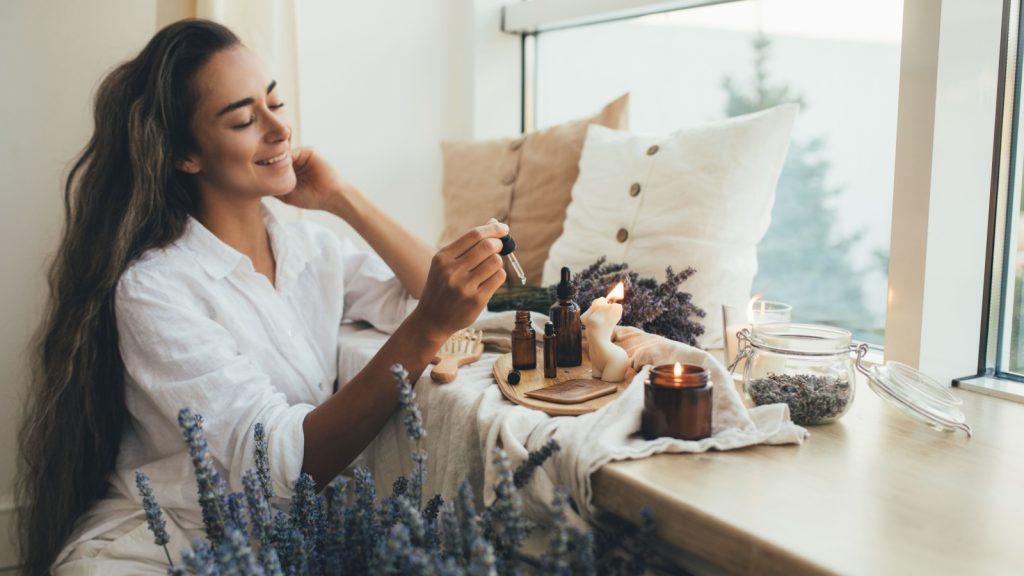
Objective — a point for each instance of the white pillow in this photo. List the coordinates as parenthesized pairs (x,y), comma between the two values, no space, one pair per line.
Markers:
(705,200)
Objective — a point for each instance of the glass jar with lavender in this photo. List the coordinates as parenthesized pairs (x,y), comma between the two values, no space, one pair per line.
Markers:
(806,366)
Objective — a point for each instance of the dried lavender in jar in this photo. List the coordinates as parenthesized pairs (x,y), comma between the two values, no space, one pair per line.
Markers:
(811,399)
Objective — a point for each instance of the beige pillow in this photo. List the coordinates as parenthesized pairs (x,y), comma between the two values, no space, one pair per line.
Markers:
(525,182)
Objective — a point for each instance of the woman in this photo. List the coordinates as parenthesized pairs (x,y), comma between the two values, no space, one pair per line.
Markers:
(174,287)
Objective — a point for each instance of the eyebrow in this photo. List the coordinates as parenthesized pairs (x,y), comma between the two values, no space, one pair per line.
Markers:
(243,101)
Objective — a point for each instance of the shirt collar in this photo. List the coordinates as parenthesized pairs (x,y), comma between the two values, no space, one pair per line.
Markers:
(220,259)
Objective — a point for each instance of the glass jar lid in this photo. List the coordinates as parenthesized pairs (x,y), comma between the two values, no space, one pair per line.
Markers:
(801,339)
(915,394)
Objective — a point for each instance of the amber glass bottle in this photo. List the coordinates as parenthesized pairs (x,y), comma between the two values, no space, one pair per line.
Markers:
(565,315)
(550,351)
(524,342)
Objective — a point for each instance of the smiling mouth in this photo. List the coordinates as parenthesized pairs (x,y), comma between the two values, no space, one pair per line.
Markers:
(275,159)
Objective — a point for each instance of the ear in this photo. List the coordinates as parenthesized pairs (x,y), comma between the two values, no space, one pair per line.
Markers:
(188,165)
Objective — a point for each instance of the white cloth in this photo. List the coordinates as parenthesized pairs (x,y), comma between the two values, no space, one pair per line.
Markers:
(467,418)
(200,328)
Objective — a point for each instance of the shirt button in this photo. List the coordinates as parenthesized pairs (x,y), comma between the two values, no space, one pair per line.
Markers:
(622,235)
(634,190)
(652,150)
(291,333)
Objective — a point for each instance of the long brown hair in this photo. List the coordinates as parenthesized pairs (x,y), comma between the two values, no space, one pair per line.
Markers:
(123,196)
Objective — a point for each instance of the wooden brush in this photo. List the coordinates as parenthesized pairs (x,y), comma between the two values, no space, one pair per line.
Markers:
(464,347)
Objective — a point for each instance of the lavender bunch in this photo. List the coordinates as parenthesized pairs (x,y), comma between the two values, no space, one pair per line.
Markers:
(657,308)
(348,531)
(154,516)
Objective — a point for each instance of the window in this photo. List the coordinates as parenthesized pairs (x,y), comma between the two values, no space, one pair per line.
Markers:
(826,252)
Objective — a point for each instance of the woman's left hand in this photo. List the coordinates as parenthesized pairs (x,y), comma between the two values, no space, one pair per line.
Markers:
(317,187)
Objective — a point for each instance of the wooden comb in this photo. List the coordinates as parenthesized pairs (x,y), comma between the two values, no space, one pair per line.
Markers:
(464,347)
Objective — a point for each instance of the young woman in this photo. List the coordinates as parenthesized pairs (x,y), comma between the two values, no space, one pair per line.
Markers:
(174,287)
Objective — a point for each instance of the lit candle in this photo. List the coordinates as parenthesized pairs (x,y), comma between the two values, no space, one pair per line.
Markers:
(677,402)
(607,360)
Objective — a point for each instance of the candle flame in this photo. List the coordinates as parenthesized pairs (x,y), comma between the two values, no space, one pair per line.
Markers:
(617,293)
(678,370)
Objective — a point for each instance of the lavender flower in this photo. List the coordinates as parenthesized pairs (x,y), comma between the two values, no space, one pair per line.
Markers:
(482,559)
(504,525)
(555,560)
(335,537)
(233,505)
(209,485)
(199,560)
(533,461)
(261,521)
(583,561)
(154,516)
(234,556)
(469,522)
(407,400)
(262,461)
(451,534)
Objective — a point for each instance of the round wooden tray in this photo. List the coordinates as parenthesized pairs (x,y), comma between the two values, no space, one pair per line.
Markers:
(534,379)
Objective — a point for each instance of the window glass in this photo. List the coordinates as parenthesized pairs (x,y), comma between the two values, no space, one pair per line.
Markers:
(826,252)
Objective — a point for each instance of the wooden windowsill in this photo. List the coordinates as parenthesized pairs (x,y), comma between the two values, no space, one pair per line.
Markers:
(875,493)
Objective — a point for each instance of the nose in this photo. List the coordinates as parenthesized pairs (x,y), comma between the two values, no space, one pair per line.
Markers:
(278,128)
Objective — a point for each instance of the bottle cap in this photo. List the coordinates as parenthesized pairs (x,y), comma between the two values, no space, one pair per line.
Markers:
(564,289)
(508,245)
(513,377)
(549,329)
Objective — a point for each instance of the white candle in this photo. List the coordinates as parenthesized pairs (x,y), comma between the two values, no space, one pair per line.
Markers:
(608,361)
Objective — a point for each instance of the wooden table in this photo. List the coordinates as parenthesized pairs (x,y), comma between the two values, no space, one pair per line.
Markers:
(875,493)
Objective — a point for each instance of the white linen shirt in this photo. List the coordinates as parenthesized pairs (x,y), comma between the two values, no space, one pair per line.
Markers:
(200,328)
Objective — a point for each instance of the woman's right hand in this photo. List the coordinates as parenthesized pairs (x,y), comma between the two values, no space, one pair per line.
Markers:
(463,276)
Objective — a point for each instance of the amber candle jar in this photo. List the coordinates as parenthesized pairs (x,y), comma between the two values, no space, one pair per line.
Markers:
(524,342)
(677,402)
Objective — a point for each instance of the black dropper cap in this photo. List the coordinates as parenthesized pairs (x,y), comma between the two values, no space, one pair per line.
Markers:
(508,245)
(564,289)
(549,329)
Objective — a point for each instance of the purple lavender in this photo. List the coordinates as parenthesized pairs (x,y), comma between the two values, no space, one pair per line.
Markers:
(533,461)
(504,525)
(657,308)
(262,461)
(209,485)
(154,516)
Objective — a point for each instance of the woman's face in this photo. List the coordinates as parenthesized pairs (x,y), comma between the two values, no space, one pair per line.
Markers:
(242,133)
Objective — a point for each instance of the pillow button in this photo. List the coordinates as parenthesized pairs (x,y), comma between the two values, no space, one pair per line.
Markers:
(652,150)
(516,144)
(509,178)
(622,235)
(634,190)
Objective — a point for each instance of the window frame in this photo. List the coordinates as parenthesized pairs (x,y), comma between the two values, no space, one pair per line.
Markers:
(950,138)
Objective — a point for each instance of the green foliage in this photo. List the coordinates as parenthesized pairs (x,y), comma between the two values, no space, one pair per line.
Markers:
(802,259)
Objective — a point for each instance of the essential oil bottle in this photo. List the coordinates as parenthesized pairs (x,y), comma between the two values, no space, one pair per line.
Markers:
(524,342)
(565,315)
(550,351)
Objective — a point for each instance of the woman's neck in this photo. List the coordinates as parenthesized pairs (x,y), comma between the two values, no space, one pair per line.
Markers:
(240,225)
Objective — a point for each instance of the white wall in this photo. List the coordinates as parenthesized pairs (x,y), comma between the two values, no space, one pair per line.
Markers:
(54,54)
(382,84)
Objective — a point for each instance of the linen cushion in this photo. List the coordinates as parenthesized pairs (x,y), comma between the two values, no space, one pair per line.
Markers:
(525,182)
(701,197)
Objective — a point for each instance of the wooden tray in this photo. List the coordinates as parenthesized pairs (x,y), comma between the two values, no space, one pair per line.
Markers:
(534,379)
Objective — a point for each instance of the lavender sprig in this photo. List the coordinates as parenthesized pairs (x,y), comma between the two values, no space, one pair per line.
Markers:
(556,560)
(154,516)
(533,461)
(209,485)
(263,461)
(414,430)
(504,525)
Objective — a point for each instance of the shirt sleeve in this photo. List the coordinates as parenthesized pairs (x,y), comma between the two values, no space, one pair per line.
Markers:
(372,292)
(176,356)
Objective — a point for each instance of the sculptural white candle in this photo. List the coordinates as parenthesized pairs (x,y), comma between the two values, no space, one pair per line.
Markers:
(607,360)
